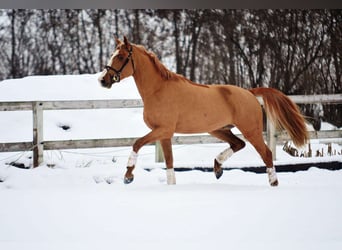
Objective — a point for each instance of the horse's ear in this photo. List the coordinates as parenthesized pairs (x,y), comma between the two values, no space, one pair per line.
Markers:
(127,43)
(117,41)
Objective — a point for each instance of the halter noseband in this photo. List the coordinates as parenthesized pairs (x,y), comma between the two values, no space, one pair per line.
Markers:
(116,77)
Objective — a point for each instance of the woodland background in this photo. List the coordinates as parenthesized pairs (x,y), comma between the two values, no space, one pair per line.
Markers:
(295,51)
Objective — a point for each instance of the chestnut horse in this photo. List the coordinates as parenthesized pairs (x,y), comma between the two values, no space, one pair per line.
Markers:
(174,104)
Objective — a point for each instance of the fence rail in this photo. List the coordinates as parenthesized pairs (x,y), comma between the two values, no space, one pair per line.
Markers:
(38,145)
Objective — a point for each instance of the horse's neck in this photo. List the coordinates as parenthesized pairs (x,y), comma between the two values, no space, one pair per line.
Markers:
(146,76)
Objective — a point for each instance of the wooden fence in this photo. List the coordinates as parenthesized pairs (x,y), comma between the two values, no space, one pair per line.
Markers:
(38,144)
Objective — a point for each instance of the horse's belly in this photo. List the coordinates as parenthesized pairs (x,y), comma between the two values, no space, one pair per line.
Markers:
(202,122)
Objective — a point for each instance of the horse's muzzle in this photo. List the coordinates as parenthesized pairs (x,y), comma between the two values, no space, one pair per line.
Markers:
(105,84)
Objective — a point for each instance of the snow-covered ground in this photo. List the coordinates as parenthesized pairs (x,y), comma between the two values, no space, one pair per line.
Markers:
(71,206)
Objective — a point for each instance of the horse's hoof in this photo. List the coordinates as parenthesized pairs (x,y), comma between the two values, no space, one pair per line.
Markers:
(218,173)
(275,183)
(128,180)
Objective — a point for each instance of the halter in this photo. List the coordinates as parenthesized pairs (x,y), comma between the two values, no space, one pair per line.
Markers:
(116,77)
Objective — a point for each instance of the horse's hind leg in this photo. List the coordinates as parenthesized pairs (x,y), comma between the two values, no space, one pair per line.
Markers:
(257,141)
(235,145)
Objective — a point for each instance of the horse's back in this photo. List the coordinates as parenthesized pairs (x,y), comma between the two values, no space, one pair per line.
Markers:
(205,109)
(239,98)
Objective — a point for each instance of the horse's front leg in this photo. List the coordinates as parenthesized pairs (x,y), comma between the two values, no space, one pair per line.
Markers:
(236,144)
(167,150)
(154,135)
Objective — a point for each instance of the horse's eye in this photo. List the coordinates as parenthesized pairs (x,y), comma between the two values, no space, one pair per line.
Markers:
(120,57)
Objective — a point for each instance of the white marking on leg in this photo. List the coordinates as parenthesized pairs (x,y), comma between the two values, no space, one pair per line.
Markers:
(132,160)
(224,155)
(272,175)
(170,176)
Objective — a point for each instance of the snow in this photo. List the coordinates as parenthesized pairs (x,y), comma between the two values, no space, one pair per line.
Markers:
(70,204)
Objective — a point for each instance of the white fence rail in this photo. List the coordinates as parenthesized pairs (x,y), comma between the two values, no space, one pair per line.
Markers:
(38,144)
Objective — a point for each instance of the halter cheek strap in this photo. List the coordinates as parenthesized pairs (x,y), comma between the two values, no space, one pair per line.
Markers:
(116,77)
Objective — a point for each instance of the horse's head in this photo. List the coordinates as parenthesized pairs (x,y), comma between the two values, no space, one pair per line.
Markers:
(119,66)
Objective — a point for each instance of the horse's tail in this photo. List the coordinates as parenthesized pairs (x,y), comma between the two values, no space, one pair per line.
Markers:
(283,113)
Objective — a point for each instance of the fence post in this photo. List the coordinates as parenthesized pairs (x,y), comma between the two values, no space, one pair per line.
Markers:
(271,138)
(159,152)
(38,150)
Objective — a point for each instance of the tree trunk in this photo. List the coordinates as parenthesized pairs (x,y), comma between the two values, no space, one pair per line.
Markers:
(179,69)
(14,65)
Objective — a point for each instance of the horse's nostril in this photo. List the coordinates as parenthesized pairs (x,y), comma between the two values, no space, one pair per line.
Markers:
(103,81)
